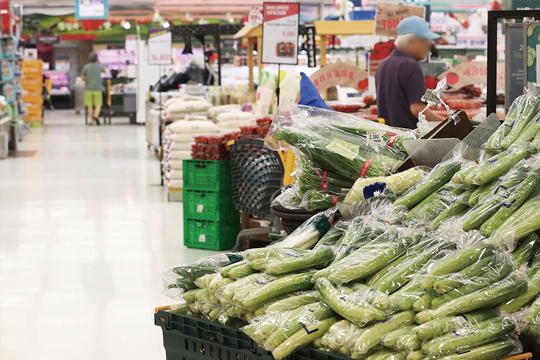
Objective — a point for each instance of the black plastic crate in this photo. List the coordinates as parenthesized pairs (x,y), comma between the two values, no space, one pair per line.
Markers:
(189,338)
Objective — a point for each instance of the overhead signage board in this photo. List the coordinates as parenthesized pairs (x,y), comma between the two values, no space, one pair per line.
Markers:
(159,46)
(91,9)
(280,33)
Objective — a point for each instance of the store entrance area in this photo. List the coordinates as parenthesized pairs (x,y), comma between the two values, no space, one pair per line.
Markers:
(86,232)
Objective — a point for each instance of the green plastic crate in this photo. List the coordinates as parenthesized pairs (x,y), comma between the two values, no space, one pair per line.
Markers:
(210,235)
(213,175)
(209,205)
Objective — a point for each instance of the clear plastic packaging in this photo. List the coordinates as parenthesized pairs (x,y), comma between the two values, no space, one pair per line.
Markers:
(341,336)
(512,286)
(182,278)
(461,340)
(372,256)
(309,233)
(335,234)
(364,189)
(331,141)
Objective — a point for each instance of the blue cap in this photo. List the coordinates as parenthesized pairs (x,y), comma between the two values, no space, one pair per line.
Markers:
(417,26)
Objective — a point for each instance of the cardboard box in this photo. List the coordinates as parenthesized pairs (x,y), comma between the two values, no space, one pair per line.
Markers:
(33,97)
(33,64)
(32,118)
(33,75)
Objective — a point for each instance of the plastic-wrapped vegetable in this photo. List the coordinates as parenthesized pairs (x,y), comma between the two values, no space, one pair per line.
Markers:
(293,302)
(497,196)
(513,286)
(310,177)
(312,131)
(439,176)
(501,163)
(438,327)
(309,233)
(342,336)
(372,257)
(283,260)
(467,338)
(364,189)
(437,202)
(523,222)
(372,336)
(390,340)
(179,279)
(353,305)
(333,236)
(361,232)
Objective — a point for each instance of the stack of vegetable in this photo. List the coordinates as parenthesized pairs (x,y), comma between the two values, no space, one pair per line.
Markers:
(333,150)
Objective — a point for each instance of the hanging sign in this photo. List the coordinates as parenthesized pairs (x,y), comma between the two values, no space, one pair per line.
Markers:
(255,18)
(310,42)
(467,73)
(280,33)
(340,74)
(389,15)
(159,46)
(91,9)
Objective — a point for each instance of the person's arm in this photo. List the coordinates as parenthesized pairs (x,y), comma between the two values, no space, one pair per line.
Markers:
(415,89)
(83,74)
(417,108)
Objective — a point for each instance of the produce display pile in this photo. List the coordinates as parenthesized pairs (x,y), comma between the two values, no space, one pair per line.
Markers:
(333,150)
(437,265)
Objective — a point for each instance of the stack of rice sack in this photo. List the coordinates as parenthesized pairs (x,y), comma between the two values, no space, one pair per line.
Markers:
(232,121)
(176,108)
(216,110)
(177,140)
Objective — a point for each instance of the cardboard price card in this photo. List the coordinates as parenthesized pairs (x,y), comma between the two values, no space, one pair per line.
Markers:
(468,73)
(159,46)
(389,15)
(280,33)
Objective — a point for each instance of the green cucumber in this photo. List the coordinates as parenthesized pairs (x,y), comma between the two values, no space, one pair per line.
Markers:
(531,130)
(225,271)
(477,216)
(466,176)
(459,204)
(423,303)
(524,299)
(456,280)
(253,254)
(495,350)
(416,355)
(525,250)
(218,282)
(435,203)
(438,327)
(179,308)
(468,338)
(372,336)
(494,274)
(303,337)
(240,271)
(456,262)
(495,140)
(390,340)
(404,298)
(485,298)
(291,261)
(520,224)
(436,178)
(358,267)
(190,295)
(475,196)
(278,287)
(510,205)
(521,122)
(403,272)
(502,163)
(490,188)
(346,306)
(409,342)
(314,312)
(293,302)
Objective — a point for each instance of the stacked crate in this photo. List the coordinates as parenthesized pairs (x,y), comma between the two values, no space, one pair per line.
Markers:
(210,219)
(32,83)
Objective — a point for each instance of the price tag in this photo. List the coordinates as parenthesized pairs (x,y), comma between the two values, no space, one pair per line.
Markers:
(200,208)
(430,97)
(202,238)
(375,138)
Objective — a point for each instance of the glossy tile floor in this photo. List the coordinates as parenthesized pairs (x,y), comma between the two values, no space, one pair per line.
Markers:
(85,232)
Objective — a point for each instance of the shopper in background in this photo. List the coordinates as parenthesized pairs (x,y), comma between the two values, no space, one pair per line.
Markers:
(399,79)
(91,74)
(210,67)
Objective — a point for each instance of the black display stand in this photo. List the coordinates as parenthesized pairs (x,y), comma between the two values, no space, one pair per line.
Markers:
(493,18)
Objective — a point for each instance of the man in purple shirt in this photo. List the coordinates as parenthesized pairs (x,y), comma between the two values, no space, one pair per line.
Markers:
(399,79)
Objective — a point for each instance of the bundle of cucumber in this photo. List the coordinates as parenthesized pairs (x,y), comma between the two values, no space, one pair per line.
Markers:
(521,124)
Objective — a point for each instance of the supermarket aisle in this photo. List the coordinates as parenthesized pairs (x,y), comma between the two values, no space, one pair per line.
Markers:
(85,233)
